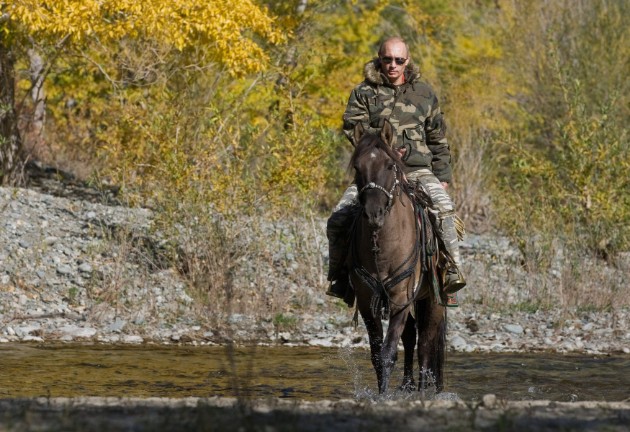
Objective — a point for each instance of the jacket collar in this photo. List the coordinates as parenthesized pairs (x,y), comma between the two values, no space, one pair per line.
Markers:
(372,73)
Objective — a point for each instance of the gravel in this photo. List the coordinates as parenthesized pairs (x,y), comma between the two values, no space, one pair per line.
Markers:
(71,270)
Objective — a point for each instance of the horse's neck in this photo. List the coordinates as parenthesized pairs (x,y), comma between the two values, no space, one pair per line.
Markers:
(392,244)
(402,210)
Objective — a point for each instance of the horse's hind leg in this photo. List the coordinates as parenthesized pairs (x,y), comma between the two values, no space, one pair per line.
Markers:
(409,344)
(431,344)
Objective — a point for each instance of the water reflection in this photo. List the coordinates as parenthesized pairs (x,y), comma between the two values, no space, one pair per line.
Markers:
(302,373)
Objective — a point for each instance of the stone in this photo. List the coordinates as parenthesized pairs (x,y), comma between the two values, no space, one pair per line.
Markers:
(78,332)
(489,401)
(116,326)
(513,328)
(458,343)
(64,269)
(26,330)
(85,268)
(132,339)
(29,338)
(24,244)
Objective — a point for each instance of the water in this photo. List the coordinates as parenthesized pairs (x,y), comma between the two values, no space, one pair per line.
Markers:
(303,373)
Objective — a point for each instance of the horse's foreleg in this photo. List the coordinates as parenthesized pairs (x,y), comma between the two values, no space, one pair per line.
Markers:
(375,334)
(390,345)
(409,344)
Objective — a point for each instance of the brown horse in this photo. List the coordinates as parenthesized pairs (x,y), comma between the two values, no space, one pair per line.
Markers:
(389,270)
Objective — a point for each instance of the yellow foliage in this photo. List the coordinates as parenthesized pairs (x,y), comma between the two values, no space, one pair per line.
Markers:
(224,26)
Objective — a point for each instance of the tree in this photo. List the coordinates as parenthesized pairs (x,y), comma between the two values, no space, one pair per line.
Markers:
(234,32)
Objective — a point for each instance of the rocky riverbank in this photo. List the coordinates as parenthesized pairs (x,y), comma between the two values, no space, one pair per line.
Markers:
(75,270)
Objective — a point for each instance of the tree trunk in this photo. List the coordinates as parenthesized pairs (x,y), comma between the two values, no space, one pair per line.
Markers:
(289,63)
(34,135)
(11,161)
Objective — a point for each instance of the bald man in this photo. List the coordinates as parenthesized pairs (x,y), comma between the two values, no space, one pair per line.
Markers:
(392,91)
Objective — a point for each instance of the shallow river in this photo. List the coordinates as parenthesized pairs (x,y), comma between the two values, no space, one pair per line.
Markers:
(304,373)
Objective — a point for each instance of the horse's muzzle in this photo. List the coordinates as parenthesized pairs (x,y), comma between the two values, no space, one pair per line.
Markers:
(375,217)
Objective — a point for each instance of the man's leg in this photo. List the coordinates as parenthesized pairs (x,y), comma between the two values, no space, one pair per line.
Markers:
(454,280)
(337,232)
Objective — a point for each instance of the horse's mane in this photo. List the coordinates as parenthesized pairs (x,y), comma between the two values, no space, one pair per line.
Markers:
(369,142)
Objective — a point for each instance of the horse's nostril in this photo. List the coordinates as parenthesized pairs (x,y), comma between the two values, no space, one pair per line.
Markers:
(376,221)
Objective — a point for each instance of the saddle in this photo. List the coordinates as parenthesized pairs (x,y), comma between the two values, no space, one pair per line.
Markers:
(434,255)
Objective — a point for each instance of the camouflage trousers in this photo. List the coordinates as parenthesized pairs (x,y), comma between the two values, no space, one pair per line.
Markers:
(443,208)
(338,226)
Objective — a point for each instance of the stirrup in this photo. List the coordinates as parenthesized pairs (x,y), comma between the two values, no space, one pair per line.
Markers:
(453,281)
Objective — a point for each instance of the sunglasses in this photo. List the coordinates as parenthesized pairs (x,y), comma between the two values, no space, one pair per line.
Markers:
(399,60)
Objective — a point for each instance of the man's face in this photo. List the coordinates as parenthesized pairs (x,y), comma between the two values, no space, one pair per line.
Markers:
(392,54)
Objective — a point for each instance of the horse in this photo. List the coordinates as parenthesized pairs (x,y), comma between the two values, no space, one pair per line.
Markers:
(391,273)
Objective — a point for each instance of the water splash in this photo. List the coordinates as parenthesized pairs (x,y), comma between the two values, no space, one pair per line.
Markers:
(362,391)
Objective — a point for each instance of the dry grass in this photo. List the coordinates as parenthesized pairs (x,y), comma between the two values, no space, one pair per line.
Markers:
(249,264)
(559,279)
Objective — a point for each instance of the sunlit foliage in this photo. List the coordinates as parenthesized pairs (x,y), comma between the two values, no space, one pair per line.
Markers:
(566,170)
(225,27)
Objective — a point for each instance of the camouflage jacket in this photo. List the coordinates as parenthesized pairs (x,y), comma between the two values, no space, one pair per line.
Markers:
(413,110)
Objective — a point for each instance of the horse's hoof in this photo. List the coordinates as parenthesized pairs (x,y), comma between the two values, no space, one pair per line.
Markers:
(408,386)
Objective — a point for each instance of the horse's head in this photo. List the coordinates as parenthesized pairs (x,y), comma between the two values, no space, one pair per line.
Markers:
(378,172)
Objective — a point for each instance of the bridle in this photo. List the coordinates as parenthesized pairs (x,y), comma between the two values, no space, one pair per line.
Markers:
(390,193)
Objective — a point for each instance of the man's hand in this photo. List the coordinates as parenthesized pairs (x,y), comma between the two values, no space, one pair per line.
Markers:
(401,151)
(445,185)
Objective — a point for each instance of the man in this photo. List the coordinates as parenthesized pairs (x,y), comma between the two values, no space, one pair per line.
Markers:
(392,91)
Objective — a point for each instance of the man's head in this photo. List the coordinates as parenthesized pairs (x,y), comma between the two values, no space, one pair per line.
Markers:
(394,57)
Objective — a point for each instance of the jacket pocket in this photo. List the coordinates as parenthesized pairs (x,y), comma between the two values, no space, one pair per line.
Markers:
(418,154)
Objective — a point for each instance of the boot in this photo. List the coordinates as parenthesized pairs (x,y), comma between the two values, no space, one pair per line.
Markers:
(453,280)
(336,231)
(339,285)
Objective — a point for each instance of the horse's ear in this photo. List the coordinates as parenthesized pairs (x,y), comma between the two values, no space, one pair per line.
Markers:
(387,133)
(359,131)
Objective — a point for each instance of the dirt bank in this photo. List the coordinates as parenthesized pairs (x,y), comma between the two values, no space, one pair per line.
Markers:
(227,414)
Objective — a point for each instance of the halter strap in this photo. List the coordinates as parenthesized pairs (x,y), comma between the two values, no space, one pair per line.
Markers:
(390,193)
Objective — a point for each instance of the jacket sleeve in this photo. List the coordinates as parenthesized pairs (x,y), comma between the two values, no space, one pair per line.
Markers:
(435,128)
(356,111)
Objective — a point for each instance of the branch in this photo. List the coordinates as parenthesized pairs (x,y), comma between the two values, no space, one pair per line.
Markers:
(115,84)
(46,68)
